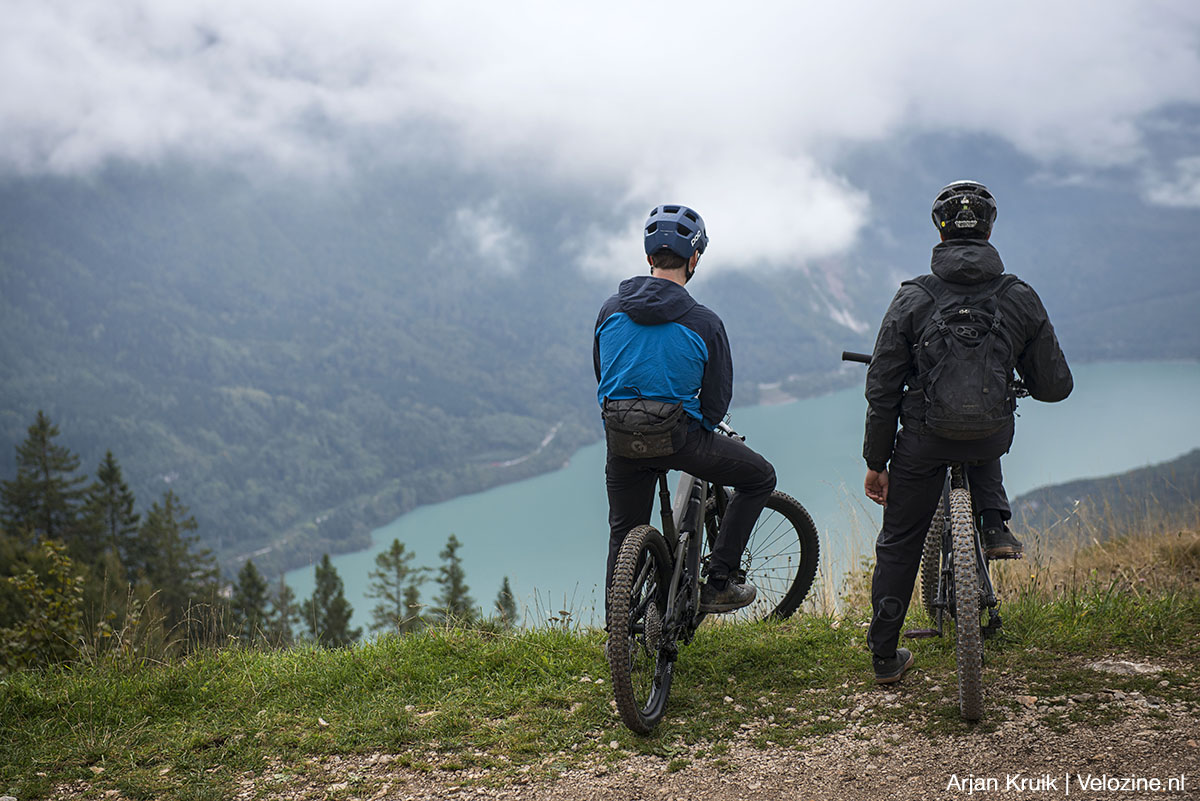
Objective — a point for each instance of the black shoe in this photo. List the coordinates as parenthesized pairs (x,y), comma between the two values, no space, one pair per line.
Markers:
(999,543)
(734,596)
(891,669)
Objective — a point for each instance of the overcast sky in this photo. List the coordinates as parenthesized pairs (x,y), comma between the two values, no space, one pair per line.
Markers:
(740,110)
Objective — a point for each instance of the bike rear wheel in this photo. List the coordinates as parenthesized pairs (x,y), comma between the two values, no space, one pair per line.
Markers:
(780,559)
(641,674)
(968,632)
(931,561)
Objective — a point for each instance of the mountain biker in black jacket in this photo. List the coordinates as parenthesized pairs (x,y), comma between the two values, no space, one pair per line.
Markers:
(906,470)
(654,341)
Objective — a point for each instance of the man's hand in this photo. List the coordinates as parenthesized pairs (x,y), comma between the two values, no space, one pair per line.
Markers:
(876,486)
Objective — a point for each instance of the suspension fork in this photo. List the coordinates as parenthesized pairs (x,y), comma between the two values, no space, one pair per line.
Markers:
(958,477)
(685,523)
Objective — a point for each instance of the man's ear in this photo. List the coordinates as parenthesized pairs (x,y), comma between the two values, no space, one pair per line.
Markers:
(694,260)
(650,261)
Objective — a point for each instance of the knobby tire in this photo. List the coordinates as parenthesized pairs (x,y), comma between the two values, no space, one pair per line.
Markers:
(931,561)
(641,674)
(968,633)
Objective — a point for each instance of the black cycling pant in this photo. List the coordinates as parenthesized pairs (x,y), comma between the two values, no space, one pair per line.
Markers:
(916,475)
(712,456)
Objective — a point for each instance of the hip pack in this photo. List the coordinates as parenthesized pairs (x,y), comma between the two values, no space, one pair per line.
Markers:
(963,361)
(641,428)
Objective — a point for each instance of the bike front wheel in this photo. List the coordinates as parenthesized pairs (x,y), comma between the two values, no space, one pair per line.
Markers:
(780,559)
(968,633)
(641,673)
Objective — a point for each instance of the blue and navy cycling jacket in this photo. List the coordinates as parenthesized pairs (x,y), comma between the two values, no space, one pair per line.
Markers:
(654,341)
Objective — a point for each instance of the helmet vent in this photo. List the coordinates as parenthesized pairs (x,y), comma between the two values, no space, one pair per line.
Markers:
(651,228)
(683,230)
(670,209)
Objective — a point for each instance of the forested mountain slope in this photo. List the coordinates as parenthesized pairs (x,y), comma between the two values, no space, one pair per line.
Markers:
(1166,494)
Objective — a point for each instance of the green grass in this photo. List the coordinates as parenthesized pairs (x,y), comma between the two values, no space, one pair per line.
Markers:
(540,700)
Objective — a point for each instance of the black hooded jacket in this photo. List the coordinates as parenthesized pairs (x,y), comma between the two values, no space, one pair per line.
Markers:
(967,265)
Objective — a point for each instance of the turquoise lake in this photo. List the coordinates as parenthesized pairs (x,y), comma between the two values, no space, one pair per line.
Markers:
(548,534)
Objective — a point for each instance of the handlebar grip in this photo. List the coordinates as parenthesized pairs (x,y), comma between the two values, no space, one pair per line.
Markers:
(851,356)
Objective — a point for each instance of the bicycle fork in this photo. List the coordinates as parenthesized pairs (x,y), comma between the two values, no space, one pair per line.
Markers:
(943,602)
(958,479)
(684,597)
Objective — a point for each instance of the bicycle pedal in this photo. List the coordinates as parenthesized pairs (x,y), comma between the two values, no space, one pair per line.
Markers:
(921,634)
(1020,555)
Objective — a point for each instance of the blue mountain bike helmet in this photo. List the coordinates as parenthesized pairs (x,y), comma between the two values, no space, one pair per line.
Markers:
(677,229)
(964,209)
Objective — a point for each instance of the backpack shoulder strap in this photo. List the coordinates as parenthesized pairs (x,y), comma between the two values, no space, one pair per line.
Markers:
(1003,284)
(935,288)
(929,283)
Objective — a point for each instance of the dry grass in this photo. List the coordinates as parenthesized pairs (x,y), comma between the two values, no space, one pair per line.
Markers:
(1150,557)
(1146,560)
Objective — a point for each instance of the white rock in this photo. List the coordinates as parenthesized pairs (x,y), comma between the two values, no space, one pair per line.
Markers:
(1124,668)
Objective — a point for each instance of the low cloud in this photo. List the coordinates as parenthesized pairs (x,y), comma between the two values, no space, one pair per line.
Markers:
(742,112)
(1181,189)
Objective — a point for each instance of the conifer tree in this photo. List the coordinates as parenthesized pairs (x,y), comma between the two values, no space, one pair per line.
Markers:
(42,502)
(248,606)
(170,560)
(284,616)
(109,521)
(327,613)
(454,602)
(391,582)
(506,605)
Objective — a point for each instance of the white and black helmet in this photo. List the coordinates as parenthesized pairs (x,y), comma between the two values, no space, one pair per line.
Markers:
(964,209)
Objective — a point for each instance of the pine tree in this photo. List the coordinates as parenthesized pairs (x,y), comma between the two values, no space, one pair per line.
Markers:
(454,602)
(248,606)
(42,502)
(109,522)
(327,613)
(171,561)
(506,605)
(284,617)
(392,581)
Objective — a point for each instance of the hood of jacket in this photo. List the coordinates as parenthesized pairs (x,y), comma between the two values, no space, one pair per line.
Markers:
(653,301)
(966,261)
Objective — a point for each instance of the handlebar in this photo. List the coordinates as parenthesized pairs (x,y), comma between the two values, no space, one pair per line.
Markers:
(851,356)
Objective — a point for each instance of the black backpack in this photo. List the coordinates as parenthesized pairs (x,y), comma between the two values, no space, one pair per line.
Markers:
(964,361)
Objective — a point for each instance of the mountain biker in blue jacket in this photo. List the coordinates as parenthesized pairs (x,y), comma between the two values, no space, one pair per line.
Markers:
(654,341)
(906,469)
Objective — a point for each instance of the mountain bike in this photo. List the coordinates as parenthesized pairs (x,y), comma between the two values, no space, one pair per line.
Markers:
(655,601)
(956,579)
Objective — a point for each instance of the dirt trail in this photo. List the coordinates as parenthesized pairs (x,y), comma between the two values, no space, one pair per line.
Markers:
(868,761)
